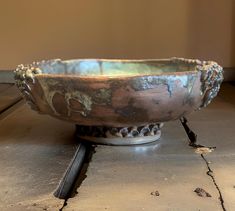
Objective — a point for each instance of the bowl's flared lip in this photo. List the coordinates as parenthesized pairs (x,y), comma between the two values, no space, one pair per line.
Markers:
(195,62)
(183,73)
(173,59)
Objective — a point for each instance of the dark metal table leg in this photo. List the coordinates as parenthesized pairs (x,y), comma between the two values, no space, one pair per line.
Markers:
(191,135)
(66,185)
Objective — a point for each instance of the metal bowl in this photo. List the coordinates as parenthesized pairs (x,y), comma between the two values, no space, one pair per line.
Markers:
(121,97)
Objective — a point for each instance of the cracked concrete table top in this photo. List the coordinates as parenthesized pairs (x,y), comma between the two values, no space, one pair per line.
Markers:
(9,95)
(34,153)
(163,176)
(36,149)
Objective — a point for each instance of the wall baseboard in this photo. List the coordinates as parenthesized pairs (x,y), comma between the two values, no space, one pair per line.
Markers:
(7,76)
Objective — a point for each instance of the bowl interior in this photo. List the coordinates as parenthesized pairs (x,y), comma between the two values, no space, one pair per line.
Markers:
(99,67)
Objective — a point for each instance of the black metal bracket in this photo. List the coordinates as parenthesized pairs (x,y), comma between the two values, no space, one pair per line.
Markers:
(191,135)
(66,184)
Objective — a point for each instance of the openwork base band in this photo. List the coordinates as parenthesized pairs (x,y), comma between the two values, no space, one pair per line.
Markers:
(120,135)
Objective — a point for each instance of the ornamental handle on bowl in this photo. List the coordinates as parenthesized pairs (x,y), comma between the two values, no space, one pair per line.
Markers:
(211,79)
(24,78)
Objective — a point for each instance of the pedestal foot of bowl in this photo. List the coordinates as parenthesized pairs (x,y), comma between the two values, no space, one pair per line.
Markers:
(120,135)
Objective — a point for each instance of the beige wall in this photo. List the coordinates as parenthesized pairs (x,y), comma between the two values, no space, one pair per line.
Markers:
(35,30)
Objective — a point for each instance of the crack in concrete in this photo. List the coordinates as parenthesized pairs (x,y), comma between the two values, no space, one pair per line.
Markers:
(64,205)
(193,143)
(210,173)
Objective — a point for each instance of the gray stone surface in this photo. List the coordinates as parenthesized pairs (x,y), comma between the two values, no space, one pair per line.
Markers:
(224,171)
(35,150)
(3,87)
(7,76)
(122,178)
(9,95)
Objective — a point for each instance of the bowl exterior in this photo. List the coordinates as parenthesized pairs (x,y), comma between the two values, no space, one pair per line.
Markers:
(120,101)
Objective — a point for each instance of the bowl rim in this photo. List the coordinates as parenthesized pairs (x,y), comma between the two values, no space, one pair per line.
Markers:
(121,77)
(35,70)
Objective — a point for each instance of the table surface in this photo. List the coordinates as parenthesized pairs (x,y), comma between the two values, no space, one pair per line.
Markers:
(35,150)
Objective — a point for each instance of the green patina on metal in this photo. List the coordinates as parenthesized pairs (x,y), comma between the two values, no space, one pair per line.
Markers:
(46,85)
(96,67)
(188,99)
(131,111)
(102,97)
(151,82)
(82,98)
(52,87)
(190,83)
(51,82)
